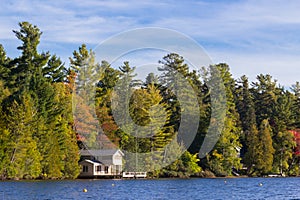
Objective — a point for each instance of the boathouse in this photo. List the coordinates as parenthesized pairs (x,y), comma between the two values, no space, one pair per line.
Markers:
(101,163)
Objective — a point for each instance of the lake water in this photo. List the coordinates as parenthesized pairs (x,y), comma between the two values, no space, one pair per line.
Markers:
(235,188)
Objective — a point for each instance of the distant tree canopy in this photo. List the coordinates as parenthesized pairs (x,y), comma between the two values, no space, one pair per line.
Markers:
(41,132)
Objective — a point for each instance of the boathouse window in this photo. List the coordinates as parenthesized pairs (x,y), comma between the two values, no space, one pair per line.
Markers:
(98,168)
(85,168)
(106,169)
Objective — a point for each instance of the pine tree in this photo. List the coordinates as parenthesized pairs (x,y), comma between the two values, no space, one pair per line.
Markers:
(151,79)
(296,105)
(259,155)
(204,115)
(61,158)
(224,157)
(55,70)
(264,92)
(215,109)
(88,73)
(246,110)
(121,101)
(24,69)
(283,139)
(36,75)
(104,92)
(24,156)
(253,154)
(175,71)
(4,62)
(4,133)
(151,114)
(294,168)
(179,93)
(265,160)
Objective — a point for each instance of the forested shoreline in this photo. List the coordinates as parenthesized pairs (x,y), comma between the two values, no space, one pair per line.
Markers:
(39,133)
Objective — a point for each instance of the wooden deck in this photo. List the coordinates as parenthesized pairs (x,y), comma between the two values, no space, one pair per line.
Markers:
(134,174)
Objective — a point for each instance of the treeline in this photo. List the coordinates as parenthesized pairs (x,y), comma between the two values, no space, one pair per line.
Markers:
(40,129)
(37,139)
(256,138)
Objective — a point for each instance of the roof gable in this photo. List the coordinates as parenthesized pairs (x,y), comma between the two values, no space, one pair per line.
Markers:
(101,152)
(91,162)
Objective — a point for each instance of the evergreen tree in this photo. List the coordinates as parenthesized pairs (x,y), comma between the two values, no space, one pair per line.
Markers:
(224,157)
(120,106)
(32,79)
(204,104)
(296,105)
(4,133)
(104,92)
(253,155)
(151,115)
(259,155)
(264,92)
(265,160)
(66,135)
(26,68)
(61,148)
(24,156)
(283,139)
(175,71)
(151,79)
(179,93)
(4,61)
(88,73)
(246,110)
(55,70)
(284,149)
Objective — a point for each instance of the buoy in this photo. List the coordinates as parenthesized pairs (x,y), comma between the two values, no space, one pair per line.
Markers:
(113,185)
(84,190)
(260,184)
(225,181)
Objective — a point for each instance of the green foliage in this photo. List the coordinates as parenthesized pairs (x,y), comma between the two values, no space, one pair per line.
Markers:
(285,143)
(104,92)
(24,157)
(38,140)
(264,164)
(225,154)
(246,110)
(253,153)
(37,134)
(296,105)
(264,92)
(185,165)
(260,153)
(87,73)
(4,61)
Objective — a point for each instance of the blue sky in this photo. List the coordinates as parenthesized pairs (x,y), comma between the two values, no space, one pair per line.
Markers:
(252,36)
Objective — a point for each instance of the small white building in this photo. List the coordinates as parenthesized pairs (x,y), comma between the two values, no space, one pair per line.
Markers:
(103,162)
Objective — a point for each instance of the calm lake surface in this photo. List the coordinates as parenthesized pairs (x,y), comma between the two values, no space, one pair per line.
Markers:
(235,188)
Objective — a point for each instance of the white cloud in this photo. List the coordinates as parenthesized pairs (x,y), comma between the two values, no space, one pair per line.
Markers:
(263,33)
(262,12)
